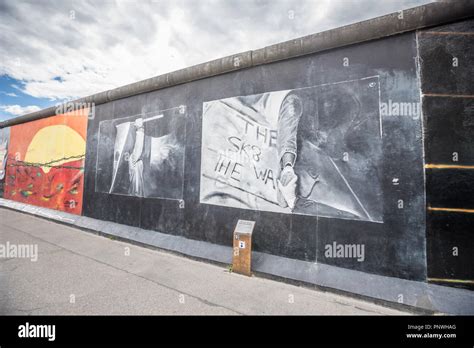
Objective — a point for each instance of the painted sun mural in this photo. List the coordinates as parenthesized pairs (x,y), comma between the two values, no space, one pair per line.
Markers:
(45,164)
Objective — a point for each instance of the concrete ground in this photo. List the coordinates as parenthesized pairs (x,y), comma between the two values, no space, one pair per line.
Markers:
(81,273)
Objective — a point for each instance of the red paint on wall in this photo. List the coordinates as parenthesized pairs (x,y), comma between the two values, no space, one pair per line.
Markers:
(54,179)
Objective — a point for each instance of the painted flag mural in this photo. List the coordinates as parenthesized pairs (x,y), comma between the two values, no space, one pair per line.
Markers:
(142,155)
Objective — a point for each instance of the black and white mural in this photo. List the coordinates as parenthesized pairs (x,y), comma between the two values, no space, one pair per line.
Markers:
(4,140)
(313,151)
(142,155)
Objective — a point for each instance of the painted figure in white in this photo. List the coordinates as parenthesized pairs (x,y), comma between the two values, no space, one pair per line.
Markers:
(3,158)
(135,162)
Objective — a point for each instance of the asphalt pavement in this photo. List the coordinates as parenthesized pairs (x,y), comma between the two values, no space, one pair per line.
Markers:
(79,273)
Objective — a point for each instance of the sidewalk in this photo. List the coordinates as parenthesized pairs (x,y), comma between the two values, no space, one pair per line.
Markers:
(81,273)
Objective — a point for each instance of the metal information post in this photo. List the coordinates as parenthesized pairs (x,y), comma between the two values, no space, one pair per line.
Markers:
(242,259)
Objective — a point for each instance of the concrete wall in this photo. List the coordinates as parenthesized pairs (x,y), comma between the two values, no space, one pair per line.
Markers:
(192,157)
(394,240)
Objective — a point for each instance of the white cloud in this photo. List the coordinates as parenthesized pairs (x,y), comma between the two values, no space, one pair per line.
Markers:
(17,110)
(68,49)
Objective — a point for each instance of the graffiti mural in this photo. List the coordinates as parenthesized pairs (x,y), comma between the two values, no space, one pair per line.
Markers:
(46,162)
(313,151)
(4,139)
(142,155)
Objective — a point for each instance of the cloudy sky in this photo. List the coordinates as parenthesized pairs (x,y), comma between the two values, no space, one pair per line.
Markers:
(53,51)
